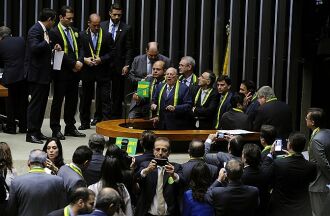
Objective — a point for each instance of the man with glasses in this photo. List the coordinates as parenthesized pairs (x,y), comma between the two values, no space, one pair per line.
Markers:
(205,102)
(186,68)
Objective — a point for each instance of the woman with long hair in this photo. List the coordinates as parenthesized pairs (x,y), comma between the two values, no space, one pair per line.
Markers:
(193,200)
(53,148)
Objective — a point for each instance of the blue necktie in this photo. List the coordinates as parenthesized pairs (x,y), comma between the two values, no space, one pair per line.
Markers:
(94,40)
(68,34)
(113,31)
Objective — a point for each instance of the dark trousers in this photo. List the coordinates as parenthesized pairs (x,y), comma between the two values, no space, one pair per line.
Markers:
(37,106)
(16,105)
(117,95)
(67,89)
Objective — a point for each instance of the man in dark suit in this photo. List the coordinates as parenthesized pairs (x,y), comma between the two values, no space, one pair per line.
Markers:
(92,174)
(36,193)
(251,104)
(147,141)
(140,106)
(122,35)
(38,72)
(205,102)
(172,101)
(142,64)
(223,86)
(66,80)
(196,152)
(160,183)
(319,153)
(235,198)
(72,173)
(290,177)
(186,69)
(12,53)
(273,112)
(81,202)
(97,47)
(235,118)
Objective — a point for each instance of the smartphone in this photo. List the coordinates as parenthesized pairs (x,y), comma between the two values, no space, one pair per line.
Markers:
(220,135)
(124,144)
(278,145)
(161,161)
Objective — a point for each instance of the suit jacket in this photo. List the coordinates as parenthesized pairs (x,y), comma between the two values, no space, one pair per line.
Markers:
(96,212)
(123,45)
(71,179)
(93,172)
(36,194)
(255,176)
(235,199)
(146,156)
(58,212)
(139,67)
(107,54)
(290,177)
(232,120)
(189,165)
(148,187)
(226,106)
(38,56)
(207,112)
(69,59)
(12,54)
(179,119)
(320,154)
(276,113)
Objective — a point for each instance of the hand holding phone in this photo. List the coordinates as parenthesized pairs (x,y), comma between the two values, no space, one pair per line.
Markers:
(278,145)
(161,161)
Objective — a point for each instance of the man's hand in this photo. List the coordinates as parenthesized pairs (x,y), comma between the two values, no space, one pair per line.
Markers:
(222,175)
(89,61)
(193,109)
(124,71)
(169,168)
(136,97)
(57,47)
(151,167)
(78,66)
(97,61)
(153,107)
(170,108)
(155,121)
(212,137)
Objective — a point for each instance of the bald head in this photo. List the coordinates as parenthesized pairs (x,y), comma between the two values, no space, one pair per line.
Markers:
(108,200)
(234,170)
(94,22)
(152,51)
(196,149)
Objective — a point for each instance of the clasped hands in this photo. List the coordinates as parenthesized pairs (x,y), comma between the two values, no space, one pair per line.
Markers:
(90,61)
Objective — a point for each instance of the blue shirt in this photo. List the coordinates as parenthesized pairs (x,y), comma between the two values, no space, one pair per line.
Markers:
(192,207)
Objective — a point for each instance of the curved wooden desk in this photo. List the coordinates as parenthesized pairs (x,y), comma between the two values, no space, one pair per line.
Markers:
(115,128)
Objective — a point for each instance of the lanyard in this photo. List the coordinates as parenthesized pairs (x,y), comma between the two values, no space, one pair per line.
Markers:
(66,211)
(37,170)
(175,102)
(266,148)
(98,47)
(75,168)
(205,98)
(237,110)
(272,99)
(218,116)
(66,43)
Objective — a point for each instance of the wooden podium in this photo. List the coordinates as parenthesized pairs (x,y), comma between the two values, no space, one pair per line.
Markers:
(134,129)
(3,91)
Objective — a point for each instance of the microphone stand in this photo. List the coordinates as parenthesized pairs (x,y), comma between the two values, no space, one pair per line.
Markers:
(125,104)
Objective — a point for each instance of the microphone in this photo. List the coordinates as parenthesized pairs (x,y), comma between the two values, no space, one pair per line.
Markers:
(125,104)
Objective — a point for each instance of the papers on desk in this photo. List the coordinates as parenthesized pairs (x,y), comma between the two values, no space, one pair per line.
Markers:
(235,132)
(58,57)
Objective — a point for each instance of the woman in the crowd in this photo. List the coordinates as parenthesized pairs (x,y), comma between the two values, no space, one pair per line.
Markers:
(111,176)
(193,200)
(7,171)
(53,148)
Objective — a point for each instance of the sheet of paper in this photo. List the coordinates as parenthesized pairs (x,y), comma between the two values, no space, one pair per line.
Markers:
(58,57)
(235,132)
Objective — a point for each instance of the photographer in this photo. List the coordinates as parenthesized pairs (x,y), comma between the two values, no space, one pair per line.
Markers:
(160,183)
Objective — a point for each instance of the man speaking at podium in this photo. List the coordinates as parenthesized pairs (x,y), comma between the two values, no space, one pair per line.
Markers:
(172,101)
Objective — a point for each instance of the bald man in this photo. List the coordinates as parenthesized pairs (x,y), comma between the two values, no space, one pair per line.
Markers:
(142,64)
(98,49)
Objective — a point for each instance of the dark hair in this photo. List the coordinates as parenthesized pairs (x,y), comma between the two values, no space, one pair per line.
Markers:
(196,148)
(200,180)
(234,169)
(115,6)
(268,133)
(212,77)
(250,86)
(65,9)
(166,140)
(114,151)
(81,155)
(47,13)
(237,98)
(235,145)
(80,193)
(147,140)
(111,174)
(252,154)
(224,78)
(318,116)
(59,161)
(297,141)
(5,156)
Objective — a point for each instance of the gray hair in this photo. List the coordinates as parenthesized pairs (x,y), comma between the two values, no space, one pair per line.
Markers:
(5,31)
(96,142)
(190,60)
(267,92)
(37,156)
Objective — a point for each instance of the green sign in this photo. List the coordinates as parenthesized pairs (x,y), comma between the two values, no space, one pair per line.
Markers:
(143,89)
(131,146)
